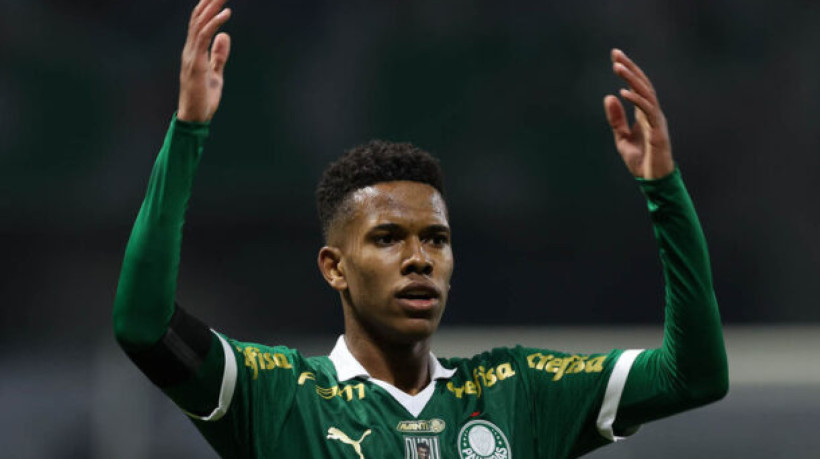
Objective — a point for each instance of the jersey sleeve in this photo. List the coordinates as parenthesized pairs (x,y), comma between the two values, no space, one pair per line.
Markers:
(690,368)
(258,389)
(169,345)
(573,396)
(583,401)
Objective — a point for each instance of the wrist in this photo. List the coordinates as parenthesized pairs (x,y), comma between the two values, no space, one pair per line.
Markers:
(181,119)
(660,174)
(668,177)
(195,128)
(187,116)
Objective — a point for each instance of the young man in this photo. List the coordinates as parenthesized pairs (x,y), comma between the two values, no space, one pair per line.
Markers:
(381,393)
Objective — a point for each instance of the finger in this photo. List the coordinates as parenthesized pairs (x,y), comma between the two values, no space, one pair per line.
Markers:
(643,105)
(640,116)
(207,33)
(210,8)
(636,84)
(195,14)
(620,56)
(616,116)
(220,51)
(198,9)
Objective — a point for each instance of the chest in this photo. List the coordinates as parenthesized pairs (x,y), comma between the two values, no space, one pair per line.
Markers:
(359,419)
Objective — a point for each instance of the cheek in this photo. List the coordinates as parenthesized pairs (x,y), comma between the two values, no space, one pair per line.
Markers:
(369,274)
(446,264)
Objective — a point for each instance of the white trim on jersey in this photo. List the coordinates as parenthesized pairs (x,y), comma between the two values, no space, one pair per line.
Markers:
(612,396)
(347,367)
(228,384)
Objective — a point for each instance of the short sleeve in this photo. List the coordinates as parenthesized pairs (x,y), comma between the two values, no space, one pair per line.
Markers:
(575,397)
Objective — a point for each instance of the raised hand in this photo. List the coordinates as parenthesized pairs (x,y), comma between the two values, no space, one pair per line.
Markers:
(201,75)
(645,146)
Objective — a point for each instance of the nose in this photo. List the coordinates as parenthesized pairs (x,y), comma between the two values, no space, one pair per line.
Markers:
(416,259)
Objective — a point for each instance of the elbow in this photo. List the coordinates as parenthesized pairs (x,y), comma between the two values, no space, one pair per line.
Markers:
(714,392)
(723,386)
(135,333)
(126,334)
(709,389)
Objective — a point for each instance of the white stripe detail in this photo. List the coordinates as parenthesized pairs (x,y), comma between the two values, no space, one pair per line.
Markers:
(612,396)
(228,384)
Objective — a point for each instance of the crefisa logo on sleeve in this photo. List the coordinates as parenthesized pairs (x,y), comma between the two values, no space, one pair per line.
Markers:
(480,439)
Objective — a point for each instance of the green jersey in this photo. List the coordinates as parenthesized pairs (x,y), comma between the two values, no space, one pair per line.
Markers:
(504,403)
(251,400)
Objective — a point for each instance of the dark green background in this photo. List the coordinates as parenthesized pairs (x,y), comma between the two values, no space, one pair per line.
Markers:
(548,226)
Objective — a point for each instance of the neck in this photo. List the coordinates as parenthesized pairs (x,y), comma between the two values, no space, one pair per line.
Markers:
(404,365)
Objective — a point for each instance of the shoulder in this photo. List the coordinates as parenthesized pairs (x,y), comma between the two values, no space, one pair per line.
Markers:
(545,362)
(483,374)
(489,358)
(558,365)
(259,358)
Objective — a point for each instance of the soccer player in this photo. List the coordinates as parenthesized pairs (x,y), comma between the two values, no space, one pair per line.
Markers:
(381,393)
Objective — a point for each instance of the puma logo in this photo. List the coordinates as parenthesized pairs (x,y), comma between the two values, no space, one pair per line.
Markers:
(336,434)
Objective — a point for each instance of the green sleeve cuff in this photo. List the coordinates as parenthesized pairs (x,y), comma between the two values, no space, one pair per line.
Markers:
(195,128)
(672,180)
(665,192)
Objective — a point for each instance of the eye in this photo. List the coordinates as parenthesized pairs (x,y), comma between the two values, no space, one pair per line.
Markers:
(439,240)
(384,239)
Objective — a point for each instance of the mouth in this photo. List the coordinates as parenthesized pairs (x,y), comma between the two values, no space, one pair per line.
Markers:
(418,297)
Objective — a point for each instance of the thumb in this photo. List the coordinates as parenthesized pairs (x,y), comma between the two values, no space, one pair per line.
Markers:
(616,116)
(220,50)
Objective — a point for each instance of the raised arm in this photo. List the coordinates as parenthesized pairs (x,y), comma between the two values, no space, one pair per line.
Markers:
(166,343)
(690,368)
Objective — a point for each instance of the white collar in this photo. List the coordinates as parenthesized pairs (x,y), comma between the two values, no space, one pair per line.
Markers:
(347,367)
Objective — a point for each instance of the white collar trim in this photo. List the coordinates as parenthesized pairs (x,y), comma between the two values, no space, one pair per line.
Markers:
(347,367)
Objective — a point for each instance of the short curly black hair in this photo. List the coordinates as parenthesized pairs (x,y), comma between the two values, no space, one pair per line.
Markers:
(373,162)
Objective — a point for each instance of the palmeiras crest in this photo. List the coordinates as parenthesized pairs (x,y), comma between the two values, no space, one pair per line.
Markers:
(480,439)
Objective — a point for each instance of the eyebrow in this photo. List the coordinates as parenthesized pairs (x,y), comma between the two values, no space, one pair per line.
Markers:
(437,228)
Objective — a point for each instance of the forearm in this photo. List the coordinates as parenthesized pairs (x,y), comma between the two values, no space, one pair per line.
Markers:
(144,302)
(690,368)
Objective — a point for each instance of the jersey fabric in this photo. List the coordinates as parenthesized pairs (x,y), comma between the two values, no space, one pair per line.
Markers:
(507,402)
(251,400)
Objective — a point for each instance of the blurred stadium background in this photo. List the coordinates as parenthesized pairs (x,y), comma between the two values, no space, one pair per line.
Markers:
(552,240)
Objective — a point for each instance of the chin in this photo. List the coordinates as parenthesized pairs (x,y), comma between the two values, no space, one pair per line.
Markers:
(414,330)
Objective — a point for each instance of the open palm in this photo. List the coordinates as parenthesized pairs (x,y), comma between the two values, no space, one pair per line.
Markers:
(645,146)
(202,74)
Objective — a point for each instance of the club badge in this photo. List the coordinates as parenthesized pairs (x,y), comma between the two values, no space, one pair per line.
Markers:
(480,439)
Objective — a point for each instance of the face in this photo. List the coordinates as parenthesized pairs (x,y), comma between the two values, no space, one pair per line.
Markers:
(394,261)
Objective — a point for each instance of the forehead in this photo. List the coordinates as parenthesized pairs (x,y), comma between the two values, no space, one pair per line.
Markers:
(398,202)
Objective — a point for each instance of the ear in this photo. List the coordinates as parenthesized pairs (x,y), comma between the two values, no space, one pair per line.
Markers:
(330,264)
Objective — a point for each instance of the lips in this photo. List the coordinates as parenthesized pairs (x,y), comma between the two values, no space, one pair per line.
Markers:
(418,296)
(418,290)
